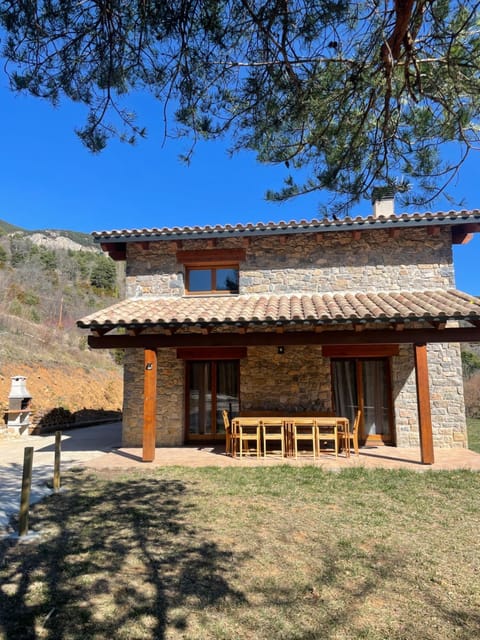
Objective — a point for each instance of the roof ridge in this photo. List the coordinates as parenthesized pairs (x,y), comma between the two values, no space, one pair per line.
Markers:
(294,226)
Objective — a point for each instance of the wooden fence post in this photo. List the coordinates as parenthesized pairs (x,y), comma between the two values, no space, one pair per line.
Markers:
(56,463)
(25,495)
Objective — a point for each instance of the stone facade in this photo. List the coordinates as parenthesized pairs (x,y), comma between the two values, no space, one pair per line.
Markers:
(170,398)
(300,378)
(296,380)
(446,396)
(312,263)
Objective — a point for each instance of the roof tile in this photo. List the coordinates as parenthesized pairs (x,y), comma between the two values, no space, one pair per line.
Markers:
(318,308)
(324,224)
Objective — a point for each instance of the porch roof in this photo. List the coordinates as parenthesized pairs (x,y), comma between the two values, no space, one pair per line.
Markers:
(437,306)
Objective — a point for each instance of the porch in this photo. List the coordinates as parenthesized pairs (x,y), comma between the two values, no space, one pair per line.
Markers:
(372,457)
(338,353)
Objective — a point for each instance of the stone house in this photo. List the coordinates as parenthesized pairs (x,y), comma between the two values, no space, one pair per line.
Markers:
(301,316)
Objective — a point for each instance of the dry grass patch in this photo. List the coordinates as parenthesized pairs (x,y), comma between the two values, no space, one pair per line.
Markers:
(284,553)
(473,425)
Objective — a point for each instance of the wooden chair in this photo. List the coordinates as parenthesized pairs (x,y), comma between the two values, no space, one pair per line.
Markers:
(327,431)
(273,430)
(230,435)
(247,430)
(304,430)
(349,436)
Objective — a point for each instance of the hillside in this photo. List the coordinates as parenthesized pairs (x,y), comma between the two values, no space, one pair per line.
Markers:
(48,280)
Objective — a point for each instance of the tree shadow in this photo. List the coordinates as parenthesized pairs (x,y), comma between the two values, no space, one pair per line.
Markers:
(112,557)
(61,418)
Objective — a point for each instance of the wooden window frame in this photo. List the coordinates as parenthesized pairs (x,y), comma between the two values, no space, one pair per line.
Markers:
(213,279)
(210,260)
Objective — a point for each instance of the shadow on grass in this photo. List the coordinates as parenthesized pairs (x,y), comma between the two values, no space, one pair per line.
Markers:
(291,553)
(112,562)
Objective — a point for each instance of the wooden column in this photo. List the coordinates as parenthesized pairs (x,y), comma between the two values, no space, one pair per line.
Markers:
(149,405)
(423,403)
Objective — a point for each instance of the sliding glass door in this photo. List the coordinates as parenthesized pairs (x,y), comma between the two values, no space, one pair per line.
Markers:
(212,386)
(364,383)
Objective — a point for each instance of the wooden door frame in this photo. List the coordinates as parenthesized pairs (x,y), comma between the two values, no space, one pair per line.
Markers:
(206,437)
(358,360)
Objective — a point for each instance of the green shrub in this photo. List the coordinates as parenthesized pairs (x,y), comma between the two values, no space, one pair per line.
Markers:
(104,274)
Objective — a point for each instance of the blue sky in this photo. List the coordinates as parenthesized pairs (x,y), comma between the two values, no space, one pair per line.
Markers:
(50,180)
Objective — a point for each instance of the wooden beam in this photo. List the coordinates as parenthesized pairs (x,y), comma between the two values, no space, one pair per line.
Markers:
(149,404)
(237,339)
(99,332)
(360,351)
(209,353)
(462,234)
(394,233)
(423,403)
(463,238)
(211,256)
(116,250)
(433,231)
(135,331)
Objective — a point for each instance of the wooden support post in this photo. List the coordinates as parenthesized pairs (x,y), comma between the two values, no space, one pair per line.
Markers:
(56,461)
(423,403)
(149,405)
(25,495)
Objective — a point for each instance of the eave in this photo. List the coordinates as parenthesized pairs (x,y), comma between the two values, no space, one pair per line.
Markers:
(463,224)
(389,335)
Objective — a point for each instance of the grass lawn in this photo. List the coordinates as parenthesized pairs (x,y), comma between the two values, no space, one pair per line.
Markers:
(473,426)
(292,553)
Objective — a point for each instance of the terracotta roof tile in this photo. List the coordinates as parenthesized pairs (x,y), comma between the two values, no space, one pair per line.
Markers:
(294,226)
(438,305)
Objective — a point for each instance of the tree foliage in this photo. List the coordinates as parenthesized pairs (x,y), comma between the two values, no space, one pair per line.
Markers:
(470,363)
(104,274)
(352,94)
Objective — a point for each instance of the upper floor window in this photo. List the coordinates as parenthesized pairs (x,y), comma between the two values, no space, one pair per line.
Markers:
(222,279)
(212,270)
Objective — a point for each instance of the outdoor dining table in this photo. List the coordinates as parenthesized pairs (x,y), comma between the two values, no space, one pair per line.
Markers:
(338,424)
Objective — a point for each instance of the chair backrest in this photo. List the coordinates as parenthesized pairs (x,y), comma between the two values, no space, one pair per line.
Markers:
(270,421)
(304,421)
(247,422)
(226,419)
(356,422)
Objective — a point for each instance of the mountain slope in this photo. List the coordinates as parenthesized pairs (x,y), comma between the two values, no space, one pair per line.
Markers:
(48,280)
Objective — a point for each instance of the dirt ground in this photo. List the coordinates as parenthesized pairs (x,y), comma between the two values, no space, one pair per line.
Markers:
(68,387)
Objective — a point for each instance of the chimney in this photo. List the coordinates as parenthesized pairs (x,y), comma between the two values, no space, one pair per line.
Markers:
(383,200)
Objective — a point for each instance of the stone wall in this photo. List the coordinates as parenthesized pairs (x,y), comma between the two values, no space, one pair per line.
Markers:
(446,397)
(327,262)
(170,399)
(298,379)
